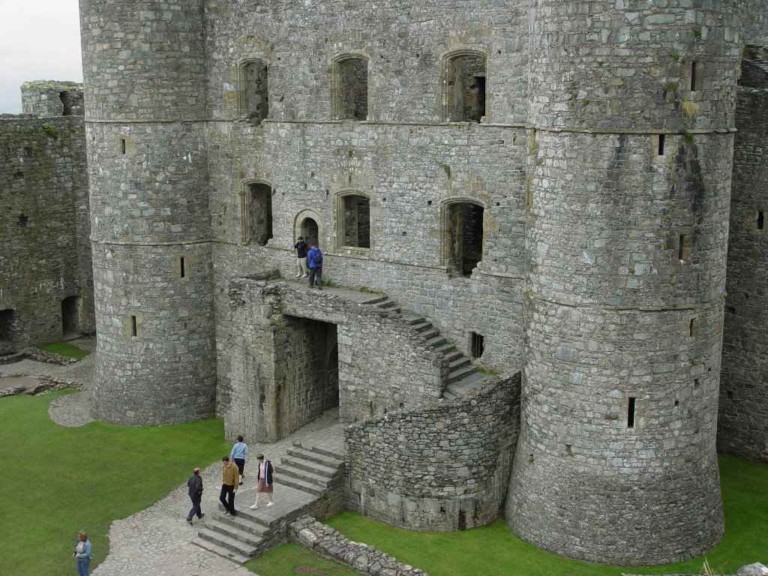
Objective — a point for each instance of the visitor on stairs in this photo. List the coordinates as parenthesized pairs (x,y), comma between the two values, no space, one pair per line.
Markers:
(315,263)
(239,454)
(264,477)
(195,486)
(230,480)
(301,255)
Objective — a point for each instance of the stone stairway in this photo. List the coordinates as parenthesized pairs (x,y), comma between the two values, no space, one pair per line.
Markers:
(302,478)
(462,375)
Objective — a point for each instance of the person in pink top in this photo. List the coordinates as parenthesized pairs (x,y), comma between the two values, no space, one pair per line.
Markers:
(264,476)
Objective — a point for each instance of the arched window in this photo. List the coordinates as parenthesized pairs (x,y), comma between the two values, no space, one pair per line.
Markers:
(309,231)
(354,221)
(350,88)
(256,208)
(254,91)
(464,87)
(463,236)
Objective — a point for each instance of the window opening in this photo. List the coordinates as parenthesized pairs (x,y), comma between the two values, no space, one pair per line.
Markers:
(309,230)
(760,220)
(122,145)
(351,88)
(693,76)
(260,213)
(465,236)
(465,88)
(254,91)
(631,412)
(693,327)
(478,345)
(134,327)
(70,317)
(356,221)
(684,249)
(8,328)
(66,103)
(182,267)
(661,141)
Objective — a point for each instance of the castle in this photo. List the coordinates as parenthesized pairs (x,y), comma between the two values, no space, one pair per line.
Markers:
(541,186)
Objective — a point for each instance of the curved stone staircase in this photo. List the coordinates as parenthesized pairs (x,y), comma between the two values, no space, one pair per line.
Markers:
(304,478)
(462,376)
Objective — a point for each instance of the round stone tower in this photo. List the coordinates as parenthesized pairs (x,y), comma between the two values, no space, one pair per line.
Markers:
(144,67)
(631,108)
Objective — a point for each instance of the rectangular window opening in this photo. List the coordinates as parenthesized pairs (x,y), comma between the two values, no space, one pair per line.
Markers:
(693,76)
(631,412)
(478,345)
(693,327)
(760,220)
(182,269)
(660,140)
(684,249)
(122,145)
(134,327)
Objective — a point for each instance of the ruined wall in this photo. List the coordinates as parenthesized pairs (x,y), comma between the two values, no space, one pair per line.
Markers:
(44,227)
(440,468)
(267,388)
(743,422)
(49,98)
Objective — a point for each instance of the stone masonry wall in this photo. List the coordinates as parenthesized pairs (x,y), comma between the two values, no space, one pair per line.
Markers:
(399,371)
(743,422)
(44,227)
(48,98)
(439,468)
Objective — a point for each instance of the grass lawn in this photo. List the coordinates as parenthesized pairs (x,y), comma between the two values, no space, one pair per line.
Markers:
(494,551)
(293,559)
(56,481)
(66,349)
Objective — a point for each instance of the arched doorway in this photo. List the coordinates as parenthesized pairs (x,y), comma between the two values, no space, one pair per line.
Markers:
(309,230)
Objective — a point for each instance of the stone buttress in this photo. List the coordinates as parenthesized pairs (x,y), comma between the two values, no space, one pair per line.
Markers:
(631,113)
(144,65)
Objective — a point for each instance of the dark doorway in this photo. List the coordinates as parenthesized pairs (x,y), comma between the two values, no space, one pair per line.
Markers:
(306,371)
(9,325)
(254,91)
(70,317)
(465,236)
(357,221)
(352,88)
(66,103)
(465,88)
(308,229)
(260,213)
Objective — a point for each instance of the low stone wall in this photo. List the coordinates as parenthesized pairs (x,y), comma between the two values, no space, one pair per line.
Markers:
(330,543)
(442,468)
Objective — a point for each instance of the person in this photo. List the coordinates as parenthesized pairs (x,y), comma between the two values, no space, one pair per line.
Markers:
(82,554)
(315,263)
(301,255)
(264,476)
(229,484)
(195,486)
(239,454)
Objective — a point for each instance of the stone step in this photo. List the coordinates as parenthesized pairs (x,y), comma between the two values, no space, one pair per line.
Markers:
(244,522)
(386,304)
(227,542)
(460,374)
(322,470)
(412,320)
(307,455)
(430,334)
(471,382)
(422,326)
(220,550)
(298,474)
(452,355)
(375,300)
(325,452)
(248,515)
(235,532)
(437,341)
(307,487)
(459,362)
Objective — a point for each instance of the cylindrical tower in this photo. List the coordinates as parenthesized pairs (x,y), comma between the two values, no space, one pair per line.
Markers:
(144,67)
(630,157)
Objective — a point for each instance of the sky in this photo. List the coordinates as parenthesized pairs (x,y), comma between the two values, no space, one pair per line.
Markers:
(39,40)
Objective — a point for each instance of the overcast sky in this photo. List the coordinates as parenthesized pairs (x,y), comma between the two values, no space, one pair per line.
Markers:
(39,40)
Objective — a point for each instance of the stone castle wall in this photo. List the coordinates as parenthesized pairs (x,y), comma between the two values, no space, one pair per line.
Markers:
(44,227)
(743,422)
(49,98)
(439,468)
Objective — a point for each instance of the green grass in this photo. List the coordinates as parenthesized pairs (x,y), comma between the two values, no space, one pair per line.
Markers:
(494,551)
(66,349)
(56,481)
(292,559)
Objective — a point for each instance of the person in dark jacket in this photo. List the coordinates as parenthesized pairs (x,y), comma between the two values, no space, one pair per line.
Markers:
(315,264)
(264,476)
(301,255)
(195,486)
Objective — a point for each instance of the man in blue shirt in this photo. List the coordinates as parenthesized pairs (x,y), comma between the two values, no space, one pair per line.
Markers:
(315,264)
(239,454)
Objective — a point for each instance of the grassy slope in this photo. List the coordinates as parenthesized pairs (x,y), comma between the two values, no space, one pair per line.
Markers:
(56,481)
(495,551)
